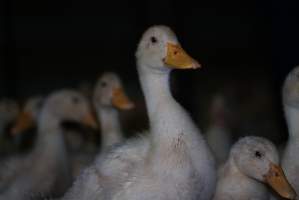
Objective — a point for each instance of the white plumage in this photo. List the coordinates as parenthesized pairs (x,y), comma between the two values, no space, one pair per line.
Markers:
(290,159)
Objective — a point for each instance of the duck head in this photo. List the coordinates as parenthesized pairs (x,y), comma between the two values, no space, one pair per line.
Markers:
(109,92)
(160,50)
(27,118)
(67,105)
(257,158)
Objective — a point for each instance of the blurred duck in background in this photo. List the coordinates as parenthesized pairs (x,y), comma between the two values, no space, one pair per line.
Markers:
(108,98)
(252,162)
(290,159)
(219,135)
(173,161)
(46,169)
(77,147)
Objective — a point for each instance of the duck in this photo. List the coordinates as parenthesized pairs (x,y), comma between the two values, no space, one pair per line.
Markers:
(253,162)
(218,134)
(46,169)
(290,99)
(171,162)
(108,98)
(28,119)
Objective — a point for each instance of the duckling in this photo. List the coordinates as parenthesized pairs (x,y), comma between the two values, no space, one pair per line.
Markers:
(218,134)
(46,169)
(108,99)
(252,162)
(173,162)
(290,95)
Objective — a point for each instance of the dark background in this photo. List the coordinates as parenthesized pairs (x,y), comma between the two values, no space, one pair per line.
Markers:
(246,49)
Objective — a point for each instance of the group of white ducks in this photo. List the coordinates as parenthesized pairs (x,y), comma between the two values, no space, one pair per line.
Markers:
(170,161)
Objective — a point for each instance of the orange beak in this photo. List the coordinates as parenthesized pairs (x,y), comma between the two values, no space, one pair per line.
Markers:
(277,180)
(120,100)
(177,58)
(24,122)
(89,120)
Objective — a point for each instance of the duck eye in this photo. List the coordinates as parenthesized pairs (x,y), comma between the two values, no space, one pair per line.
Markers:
(154,40)
(258,154)
(103,84)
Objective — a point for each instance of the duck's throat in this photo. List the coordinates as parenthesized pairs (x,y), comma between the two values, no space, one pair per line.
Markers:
(50,138)
(166,116)
(110,126)
(292,119)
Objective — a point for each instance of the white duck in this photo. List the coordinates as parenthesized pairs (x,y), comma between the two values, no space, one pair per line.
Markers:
(252,162)
(173,162)
(74,143)
(46,169)
(290,159)
(219,134)
(108,98)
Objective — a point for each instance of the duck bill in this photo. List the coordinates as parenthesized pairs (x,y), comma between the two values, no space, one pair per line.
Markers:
(177,58)
(120,100)
(24,122)
(89,120)
(277,180)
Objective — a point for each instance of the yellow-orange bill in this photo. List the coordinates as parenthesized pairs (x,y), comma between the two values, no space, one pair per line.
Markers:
(277,180)
(177,58)
(24,122)
(89,120)
(120,100)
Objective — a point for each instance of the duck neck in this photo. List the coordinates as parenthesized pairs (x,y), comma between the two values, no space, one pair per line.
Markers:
(110,126)
(292,119)
(167,118)
(50,135)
